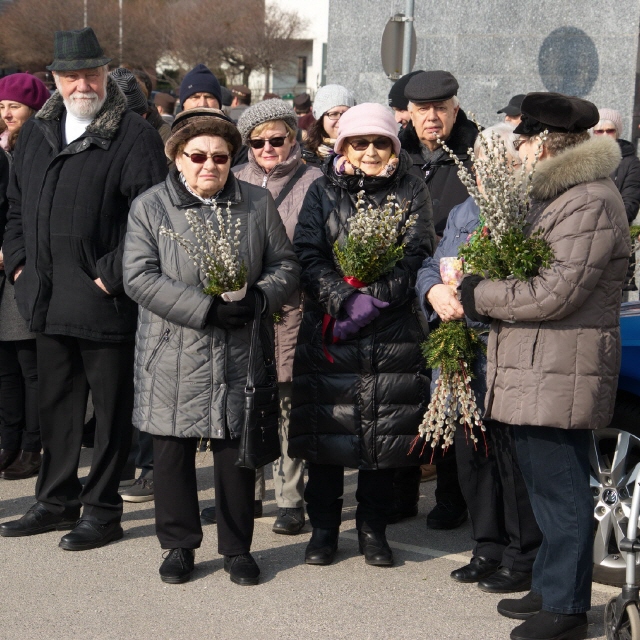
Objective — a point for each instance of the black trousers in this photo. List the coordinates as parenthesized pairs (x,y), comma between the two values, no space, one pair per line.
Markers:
(19,421)
(67,369)
(176,495)
(324,490)
(503,525)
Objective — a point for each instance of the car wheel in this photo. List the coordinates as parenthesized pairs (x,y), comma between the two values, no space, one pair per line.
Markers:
(614,454)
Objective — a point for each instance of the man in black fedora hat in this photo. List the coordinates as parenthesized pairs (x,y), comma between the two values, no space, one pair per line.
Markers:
(78,166)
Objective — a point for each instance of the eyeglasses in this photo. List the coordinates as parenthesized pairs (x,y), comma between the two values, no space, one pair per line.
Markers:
(334,115)
(201,158)
(600,132)
(381,144)
(258,143)
(519,142)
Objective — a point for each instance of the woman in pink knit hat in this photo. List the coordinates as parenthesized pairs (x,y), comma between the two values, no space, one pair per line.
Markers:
(359,390)
(21,95)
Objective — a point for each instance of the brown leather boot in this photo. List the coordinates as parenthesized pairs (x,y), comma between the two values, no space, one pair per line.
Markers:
(7,456)
(27,464)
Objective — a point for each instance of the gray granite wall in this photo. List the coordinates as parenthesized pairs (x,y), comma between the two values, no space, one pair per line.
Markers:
(497,48)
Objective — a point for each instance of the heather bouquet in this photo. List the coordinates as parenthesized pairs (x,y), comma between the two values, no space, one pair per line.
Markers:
(215,252)
(499,248)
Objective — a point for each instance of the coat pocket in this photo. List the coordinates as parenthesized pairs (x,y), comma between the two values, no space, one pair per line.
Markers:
(529,344)
(163,341)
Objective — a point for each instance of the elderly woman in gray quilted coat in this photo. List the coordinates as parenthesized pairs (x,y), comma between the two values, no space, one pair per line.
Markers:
(554,350)
(192,350)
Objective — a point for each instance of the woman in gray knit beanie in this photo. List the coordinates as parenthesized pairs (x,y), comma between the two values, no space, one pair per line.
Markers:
(268,128)
(330,103)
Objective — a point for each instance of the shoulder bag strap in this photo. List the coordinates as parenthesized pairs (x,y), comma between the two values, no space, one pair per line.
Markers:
(258,327)
(286,190)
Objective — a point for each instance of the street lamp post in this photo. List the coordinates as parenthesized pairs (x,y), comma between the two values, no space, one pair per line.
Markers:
(85,14)
(408,32)
(120,30)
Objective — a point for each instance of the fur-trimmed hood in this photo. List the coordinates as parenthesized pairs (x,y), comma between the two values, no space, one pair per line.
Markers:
(592,160)
(107,120)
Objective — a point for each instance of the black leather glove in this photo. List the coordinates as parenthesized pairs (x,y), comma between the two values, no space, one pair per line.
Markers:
(467,290)
(233,315)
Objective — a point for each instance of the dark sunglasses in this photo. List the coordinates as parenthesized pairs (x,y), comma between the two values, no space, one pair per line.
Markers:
(382,144)
(258,143)
(201,158)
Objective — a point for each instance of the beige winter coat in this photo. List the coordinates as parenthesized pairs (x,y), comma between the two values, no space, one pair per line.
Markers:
(286,331)
(554,348)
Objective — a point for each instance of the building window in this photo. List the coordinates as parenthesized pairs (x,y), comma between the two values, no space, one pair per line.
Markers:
(302,70)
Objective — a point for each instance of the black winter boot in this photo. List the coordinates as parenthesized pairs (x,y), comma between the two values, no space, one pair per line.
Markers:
(547,625)
(322,547)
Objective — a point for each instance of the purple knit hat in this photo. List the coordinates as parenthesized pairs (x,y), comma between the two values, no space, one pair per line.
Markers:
(25,89)
(368,119)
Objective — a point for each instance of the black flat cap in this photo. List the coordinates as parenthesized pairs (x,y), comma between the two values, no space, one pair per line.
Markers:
(514,108)
(556,113)
(431,86)
(397,99)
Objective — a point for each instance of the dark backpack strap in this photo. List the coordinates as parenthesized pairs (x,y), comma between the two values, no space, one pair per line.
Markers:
(286,190)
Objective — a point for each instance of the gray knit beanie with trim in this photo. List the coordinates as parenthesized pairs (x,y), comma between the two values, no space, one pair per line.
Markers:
(266,111)
(330,96)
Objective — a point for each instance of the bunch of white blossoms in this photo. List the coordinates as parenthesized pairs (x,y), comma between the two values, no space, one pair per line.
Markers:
(503,198)
(379,227)
(216,251)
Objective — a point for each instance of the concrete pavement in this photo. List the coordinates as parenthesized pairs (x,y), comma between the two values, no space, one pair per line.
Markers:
(115,592)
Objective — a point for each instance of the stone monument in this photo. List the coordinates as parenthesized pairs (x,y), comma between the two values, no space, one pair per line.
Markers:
(497,49)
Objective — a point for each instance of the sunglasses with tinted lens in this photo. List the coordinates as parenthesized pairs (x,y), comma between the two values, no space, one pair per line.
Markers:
(381,144)
(258,143)
(201,158)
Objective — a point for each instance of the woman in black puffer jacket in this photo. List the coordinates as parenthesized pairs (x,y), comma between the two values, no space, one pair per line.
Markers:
(358,403)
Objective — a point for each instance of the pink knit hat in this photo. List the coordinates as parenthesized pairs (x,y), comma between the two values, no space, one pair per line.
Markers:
(25,89)
(612,116)
(368,119)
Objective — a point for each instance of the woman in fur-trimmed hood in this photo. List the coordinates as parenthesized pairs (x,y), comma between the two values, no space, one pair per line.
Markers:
(554,350)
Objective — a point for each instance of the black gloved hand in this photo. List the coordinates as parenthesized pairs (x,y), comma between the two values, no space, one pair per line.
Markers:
(467,290)
(233,315)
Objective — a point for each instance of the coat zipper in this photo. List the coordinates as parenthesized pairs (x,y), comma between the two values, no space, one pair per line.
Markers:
(164,339)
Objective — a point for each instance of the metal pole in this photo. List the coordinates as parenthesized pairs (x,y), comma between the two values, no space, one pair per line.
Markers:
(85,14)
(120,30)
(408,32)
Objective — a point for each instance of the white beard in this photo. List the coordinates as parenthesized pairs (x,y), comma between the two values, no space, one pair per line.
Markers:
(84,105)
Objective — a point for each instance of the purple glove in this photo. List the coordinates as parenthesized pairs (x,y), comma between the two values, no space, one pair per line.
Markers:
(362,309)
(344,329)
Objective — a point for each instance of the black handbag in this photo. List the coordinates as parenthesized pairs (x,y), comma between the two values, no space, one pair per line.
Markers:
(260,439)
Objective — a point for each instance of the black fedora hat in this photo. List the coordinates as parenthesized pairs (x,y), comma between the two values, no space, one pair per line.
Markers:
(73,50)
(514,108)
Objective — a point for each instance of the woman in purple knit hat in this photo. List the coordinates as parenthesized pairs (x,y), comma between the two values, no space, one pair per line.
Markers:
(21,95)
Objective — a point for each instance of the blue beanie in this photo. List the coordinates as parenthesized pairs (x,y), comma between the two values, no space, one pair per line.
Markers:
(198,80)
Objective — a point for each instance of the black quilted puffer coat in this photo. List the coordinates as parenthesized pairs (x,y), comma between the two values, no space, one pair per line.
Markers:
(363,409)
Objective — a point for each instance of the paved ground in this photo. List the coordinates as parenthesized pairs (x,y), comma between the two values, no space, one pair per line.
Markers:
(115,592)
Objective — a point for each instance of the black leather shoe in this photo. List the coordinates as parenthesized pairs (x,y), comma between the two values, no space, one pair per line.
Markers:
(242,569)
(27,464)
(521,609)
(289,521)
(476,570)
(208,515)
(376,549)
(552,626)
(7,457)
(446,515)
(38,519)
(506,581)
(177,566)
(400,512)
(89,534)
(322,546)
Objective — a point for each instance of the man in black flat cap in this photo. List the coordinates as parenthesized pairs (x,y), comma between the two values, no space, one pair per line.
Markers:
(553,354)
(78,166)
(436,115)
(513,111)
(398,101)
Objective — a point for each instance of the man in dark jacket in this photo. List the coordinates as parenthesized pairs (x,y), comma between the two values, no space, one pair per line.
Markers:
(436,116)
(78,166)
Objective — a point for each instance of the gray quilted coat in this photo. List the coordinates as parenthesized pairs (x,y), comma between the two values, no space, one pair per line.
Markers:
(554,348)
(189,379)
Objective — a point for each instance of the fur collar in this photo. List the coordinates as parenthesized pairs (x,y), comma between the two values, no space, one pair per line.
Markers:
(592,160)
(106,122)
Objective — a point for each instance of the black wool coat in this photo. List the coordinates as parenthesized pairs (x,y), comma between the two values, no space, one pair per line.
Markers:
(363,410)
(68,210)
(627,179)
(441,176)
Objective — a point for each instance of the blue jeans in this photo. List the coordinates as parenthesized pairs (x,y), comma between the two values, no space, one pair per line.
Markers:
(555,467)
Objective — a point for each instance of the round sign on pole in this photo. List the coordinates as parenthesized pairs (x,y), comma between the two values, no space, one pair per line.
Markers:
(392,46)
